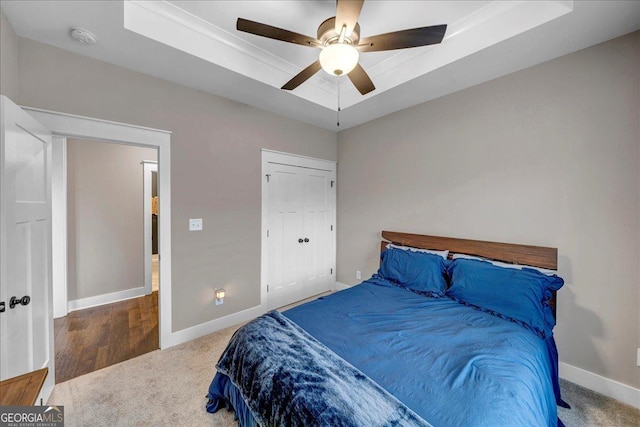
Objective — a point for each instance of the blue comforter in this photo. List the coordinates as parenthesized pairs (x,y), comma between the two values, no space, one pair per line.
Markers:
(288,378)
(451,364)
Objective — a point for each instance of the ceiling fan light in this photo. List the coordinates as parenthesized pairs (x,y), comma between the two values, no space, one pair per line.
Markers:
(339,58)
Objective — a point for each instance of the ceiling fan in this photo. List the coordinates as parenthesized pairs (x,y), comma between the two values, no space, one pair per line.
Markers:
(339,39)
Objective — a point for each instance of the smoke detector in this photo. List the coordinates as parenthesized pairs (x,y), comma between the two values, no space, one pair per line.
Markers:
(82,35)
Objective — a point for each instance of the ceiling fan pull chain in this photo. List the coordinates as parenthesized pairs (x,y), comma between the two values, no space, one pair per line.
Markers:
(338,112)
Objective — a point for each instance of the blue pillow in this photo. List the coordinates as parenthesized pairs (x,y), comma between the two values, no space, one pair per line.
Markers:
(522,296)
(417,271)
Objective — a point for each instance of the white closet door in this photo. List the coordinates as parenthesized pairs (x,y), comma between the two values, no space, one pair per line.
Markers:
(299,228)
(317,221)
(285,232)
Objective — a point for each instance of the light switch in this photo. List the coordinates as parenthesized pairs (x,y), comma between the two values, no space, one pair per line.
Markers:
(195,224)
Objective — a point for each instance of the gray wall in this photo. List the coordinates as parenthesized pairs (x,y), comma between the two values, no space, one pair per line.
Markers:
(546,156)
(8,59)
(215,166)
(104,217)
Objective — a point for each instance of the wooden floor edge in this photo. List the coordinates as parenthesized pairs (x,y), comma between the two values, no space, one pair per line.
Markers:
(24,389)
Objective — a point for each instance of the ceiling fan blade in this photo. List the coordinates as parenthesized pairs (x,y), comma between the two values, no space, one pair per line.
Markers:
(268,31)
(361,80)
(347,13)
(302,76)
(414,37)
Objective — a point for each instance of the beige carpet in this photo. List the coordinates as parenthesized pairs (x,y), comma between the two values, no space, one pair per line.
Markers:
(168,387)
(589,408)
(161,388)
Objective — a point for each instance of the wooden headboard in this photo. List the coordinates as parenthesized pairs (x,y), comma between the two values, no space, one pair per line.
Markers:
(536,256)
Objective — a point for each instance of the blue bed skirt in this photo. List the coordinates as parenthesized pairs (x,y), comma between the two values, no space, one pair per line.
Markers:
(223,394)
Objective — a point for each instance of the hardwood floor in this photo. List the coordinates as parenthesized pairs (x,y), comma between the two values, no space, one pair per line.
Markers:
(94,338)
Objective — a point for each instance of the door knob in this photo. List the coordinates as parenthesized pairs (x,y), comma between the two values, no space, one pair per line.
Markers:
(300,240)
(25,300)
(306,240)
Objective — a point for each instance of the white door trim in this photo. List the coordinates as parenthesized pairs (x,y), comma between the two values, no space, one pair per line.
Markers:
(270,156)
(70,125)
(59,226)
(148,168)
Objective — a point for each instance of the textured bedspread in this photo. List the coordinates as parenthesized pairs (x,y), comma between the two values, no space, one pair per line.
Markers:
(286,377)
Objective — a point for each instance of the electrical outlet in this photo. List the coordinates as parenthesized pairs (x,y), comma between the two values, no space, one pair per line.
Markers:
(358,274)
(195,224)
(638,358)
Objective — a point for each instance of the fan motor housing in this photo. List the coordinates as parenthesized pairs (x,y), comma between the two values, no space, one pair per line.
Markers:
(327,33)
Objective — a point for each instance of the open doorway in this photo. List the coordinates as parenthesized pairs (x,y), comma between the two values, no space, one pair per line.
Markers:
(61,126)
(155,256)
(113,314)
(151,231)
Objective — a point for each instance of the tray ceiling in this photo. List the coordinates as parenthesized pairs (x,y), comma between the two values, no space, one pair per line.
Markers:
(195,43)
(207,31)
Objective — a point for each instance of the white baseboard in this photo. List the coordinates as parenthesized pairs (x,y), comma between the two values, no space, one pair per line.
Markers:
(214,325)
(81,303)
(339,286)
(611,388)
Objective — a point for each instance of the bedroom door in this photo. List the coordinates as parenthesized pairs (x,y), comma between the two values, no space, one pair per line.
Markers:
(26,321)
(300,216)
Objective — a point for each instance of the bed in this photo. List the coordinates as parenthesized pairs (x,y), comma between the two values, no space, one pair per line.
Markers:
(449,332)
